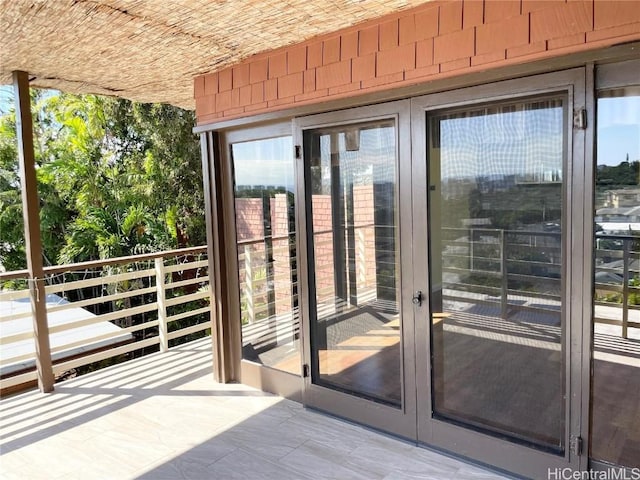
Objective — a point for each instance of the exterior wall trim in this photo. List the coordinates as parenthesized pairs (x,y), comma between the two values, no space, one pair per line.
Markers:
(627,51)
(436,41)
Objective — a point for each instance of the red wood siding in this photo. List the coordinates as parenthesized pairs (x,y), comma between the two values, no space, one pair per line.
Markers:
(437,40)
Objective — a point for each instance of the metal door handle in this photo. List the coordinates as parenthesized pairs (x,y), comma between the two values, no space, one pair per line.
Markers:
(417,298)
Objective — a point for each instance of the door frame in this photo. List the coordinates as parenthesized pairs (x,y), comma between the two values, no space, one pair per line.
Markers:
(398,421)
(464,441)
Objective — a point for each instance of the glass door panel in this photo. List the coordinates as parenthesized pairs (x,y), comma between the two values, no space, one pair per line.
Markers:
(615,424)
(496,229)
(266,240)
(353,238)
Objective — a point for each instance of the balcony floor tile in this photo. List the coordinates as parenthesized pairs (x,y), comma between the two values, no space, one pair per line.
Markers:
(163,417)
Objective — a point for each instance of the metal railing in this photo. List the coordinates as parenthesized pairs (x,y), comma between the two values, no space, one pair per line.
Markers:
(509,269)
(618,258)
(258,258)
(268,271)
(102,312)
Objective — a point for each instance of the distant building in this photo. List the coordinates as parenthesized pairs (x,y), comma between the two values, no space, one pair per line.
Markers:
(618,214)
(623,198)
(621,211)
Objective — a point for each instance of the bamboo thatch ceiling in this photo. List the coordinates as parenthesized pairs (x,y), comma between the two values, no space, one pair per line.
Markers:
(150,50)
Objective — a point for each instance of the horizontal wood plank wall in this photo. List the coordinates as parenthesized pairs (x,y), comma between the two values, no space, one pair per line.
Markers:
(436,40)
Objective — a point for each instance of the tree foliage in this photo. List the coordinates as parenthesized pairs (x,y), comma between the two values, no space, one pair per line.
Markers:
(626,173)
(114,178)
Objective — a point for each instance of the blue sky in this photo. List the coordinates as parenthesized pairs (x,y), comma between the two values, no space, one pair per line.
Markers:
(251,158)
(618,129)
(6,98)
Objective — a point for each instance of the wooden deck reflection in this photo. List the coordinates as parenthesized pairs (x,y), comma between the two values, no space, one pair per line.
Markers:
(506,375)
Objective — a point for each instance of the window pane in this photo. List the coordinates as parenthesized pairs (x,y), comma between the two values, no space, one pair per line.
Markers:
(616,357)
(495,229)
(265,230)
(355,325)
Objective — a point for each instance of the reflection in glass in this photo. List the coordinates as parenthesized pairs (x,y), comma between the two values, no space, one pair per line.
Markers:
(495,230)
(615,410)
(351,180)
(265,231)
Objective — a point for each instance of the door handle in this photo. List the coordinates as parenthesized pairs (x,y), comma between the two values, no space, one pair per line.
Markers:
(417,298)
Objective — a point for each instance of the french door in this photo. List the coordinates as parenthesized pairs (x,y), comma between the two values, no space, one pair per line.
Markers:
(445,294)
(499,230)
(355,178)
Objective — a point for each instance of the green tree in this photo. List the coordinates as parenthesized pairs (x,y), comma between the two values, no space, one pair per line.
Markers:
(53,212)
(12,255)
(626,173)
(114,177)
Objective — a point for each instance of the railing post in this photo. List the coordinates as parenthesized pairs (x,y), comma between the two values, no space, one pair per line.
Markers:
(162,306)
(625,287)
(269,269)
(362,258)
(248,282)
(504,300)
(351,245)
(472,237)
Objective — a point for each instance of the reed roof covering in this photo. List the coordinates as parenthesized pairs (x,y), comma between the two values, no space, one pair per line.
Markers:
(150,50)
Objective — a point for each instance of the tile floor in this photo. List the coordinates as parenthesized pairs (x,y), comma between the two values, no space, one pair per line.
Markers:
(163,417)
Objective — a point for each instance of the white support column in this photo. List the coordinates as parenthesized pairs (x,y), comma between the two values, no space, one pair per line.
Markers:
(33,242)
(162,305)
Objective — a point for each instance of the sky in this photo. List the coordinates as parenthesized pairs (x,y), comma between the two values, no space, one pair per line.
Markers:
(618,130)
(264,162)
(6,98)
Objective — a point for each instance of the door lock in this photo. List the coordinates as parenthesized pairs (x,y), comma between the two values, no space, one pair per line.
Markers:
(417,298)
